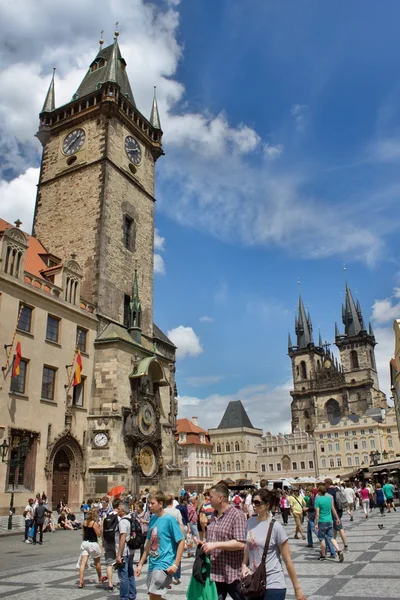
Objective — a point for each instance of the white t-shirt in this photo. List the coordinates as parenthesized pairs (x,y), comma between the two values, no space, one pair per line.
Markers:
(350,495)
(29,512)
(257,532)
(249,504)
(124,526)
(174,512)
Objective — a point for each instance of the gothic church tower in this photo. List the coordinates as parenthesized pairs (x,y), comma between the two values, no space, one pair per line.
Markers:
(95,201)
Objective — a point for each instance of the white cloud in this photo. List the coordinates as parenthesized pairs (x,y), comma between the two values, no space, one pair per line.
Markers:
(206,180)
(298,113)
(159,264)
(159,241)
(386,310)
(17,198)
(268,407)
(206,319)
(204,380)
(186,341)
(385,150)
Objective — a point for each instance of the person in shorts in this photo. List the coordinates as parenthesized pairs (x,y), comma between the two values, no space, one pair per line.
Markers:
(164,547)
(90,546)
(109,545)
(325,512)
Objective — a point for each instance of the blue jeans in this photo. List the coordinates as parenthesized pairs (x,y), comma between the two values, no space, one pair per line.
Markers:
(178,573)
(310,531)
(325,533)
(127,585)
(28,525)
(275,594)
(194,530)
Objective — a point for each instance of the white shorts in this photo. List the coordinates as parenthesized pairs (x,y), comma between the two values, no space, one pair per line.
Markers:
(91,549)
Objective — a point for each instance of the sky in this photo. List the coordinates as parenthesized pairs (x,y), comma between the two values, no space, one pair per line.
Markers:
(281,129)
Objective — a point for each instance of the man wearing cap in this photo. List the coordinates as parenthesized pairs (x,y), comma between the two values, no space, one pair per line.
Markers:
(28,514)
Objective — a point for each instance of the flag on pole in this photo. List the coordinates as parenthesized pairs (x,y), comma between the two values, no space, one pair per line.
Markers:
(78,370)
(17,360)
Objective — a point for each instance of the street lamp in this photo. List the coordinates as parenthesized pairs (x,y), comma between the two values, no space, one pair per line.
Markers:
(21,451)
(385,455)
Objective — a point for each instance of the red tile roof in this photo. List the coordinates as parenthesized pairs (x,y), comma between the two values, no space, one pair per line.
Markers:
(192,433)
(34,263)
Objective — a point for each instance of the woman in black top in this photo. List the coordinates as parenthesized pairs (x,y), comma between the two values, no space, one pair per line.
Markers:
(90,547)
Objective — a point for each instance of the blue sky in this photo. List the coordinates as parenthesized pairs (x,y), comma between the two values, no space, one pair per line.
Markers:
(282,138)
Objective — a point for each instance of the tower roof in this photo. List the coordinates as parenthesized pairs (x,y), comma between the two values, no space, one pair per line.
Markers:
(351,315)
(108,65)
(154,115)
(303,327)
(50,100)
(235,416)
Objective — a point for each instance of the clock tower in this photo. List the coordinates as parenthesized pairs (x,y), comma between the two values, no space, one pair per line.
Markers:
(95,201)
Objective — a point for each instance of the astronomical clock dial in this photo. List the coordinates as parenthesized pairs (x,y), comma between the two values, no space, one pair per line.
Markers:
(133,150)
(74,141)
(327,364)
(147,419)
(148,462)
(100,440)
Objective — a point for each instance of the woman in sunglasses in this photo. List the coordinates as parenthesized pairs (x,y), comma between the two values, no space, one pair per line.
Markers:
(265,501)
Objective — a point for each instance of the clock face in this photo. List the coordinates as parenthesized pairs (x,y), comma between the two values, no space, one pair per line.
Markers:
(327,364)
(133,150)
(100,440)
(148,462)
(147,419)
(74,141)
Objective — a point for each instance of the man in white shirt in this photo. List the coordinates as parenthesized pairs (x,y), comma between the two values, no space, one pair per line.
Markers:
(249,504)
(351,499)
(28,514)
(124,560)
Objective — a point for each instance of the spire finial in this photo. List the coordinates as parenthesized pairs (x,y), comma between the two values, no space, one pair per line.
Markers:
(101,41)
(49,103)
(154,115)
(345,272)
(116,32)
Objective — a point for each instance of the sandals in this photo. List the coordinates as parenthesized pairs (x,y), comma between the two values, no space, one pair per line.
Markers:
(81,585)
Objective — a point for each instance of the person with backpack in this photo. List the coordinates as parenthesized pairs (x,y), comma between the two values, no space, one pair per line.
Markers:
(340,503)
(380,498)
(110,526)
(125,553)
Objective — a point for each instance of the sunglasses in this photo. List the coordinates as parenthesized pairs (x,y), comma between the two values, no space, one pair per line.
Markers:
(257,503)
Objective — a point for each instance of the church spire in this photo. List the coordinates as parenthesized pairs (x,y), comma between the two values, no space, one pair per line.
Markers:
(135,311)
(154,115)
(351,314)
(290,345)
(50,101)
(303,327)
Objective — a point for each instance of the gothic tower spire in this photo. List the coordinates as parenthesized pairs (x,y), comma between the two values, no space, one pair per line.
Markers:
(135,311)
(351,315)
(154,115)
(303,327)
(50,101)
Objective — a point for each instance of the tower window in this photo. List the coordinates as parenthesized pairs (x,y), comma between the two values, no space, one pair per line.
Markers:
(129,233)
(303,368)
(127,300)
(354,359)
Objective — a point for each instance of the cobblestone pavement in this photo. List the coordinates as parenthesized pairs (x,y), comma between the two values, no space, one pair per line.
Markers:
(370,570)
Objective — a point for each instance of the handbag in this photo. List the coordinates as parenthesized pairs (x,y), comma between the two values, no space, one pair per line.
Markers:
(254,584)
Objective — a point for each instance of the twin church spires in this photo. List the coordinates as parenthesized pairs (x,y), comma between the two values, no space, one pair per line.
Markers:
(107,67)
(351,316)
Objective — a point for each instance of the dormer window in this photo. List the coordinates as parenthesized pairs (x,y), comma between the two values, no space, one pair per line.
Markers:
(182,437)
(12,252)
(97,64)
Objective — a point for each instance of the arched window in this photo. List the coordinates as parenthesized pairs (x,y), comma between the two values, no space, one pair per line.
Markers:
(227,447)
(219,467)
(297,370)
(303,367)
(237,466)
(242,465)
(228,466)
(354,359)
(236,446)
(332,410)
(286,463)
(372,359)
(218,447)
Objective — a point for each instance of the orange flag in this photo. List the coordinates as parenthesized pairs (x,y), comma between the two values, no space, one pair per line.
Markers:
(17,360)
(78,370)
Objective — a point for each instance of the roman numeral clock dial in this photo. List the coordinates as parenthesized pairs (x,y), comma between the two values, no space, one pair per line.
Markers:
(74,141)
(133,150)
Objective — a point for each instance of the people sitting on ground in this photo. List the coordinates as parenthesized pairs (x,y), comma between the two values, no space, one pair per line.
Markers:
(63,522)
(48,524)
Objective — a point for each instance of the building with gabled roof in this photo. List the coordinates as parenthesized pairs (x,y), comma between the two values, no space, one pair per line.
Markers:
(196,454)
(235,443)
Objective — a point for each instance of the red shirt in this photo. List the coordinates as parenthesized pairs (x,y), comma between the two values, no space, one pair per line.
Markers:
(231,525)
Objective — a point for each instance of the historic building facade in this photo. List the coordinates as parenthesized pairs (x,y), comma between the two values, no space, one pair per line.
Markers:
(235,446)
(42,310)
(288,455)
(325,388)
(395,372)
(95,206)
(196,452)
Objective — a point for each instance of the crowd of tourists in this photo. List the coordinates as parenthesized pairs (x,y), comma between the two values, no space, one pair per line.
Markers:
(231,536)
